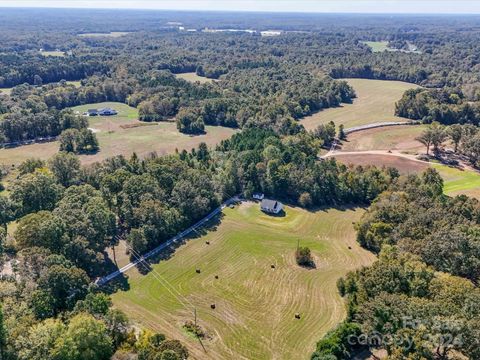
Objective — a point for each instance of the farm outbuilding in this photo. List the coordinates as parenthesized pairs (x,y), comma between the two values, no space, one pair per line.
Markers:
(271,206)
(258,196)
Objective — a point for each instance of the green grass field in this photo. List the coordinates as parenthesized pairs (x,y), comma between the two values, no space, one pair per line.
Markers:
(123,134)
(75,83)
(377,46)
(9,90)
(375,102)
(458,181)
(381,46)
(193,77)
(387,138)
(255,304)
(110,34)
(53,53)
(6,90)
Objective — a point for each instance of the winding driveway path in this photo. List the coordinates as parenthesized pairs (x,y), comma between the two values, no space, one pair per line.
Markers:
(176,238)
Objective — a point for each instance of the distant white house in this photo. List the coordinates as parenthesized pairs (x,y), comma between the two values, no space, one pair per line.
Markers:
(258,196)
(100,112)
(107,112)
(271,206)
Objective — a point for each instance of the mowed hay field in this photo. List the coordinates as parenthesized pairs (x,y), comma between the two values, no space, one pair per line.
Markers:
(123,134)
(255,304)
(387,138)
(375,103)
(403,164)
(459,181)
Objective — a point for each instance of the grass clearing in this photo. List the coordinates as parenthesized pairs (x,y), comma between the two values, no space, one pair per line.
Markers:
(377,46)
(77,84)
(6,91)
(255,304)
(387,138)
(193,77)
(375,103)
(113,34)
(53,53)
(457,181)
(123,134)
(381,46)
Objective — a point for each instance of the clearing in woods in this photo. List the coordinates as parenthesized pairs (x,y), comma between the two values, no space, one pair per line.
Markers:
(377,46)
(123,134)
(255,309)
(400,137)
(375,102)
(6,91)
(110,34)
(53,53)
(193,77)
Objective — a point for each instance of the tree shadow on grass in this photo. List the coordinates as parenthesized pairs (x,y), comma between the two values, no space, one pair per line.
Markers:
(144,267)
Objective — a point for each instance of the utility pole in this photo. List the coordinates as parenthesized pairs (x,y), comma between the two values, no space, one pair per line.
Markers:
(298,244)
(195,314)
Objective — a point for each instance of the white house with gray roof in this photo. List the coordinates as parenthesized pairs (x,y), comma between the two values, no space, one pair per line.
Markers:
(271,206)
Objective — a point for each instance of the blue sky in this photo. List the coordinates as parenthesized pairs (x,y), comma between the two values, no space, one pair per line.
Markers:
(354,6)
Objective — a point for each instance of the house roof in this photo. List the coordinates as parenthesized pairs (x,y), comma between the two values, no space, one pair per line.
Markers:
(92,110)
(268,204)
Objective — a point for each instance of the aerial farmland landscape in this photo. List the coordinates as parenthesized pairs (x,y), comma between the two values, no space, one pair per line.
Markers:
(241,180)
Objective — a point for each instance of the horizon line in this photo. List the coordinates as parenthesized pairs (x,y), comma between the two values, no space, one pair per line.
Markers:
(240,11)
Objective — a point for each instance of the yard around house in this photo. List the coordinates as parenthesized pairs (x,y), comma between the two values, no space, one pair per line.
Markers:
(255,309)
(375,102)
(123,134)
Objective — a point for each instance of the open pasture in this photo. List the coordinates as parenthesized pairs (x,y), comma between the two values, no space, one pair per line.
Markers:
(377,46)
(6,91)
(193,77)
(52,53)
(256,304)
(458,181)
(375,102)
(123,134)
(400,138)
(113,34)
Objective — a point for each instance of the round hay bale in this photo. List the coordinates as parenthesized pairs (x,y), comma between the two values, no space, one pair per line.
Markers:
(297,315)
(198,271)
(272,266)
(207,242)
(212,306)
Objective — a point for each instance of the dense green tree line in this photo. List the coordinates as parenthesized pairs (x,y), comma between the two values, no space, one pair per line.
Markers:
(446,106)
